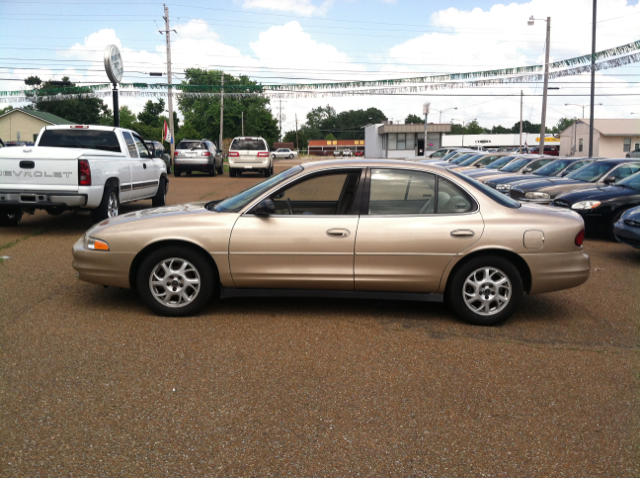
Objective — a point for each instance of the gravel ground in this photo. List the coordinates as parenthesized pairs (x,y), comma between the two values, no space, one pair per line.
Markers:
(92,384)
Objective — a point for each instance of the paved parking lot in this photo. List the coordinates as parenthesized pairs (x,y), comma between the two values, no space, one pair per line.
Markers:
(93,384)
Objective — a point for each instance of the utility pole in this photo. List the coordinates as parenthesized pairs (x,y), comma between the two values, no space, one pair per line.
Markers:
(221,113)
(543,129)
(242,120)
(521,100)
(297,145)
(167,33)
(425,111)
(593,77)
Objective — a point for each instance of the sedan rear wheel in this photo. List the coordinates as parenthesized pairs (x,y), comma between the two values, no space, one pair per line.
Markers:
(175,281)
(486,291)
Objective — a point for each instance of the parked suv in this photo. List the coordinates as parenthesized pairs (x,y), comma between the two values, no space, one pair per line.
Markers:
(197,155)
(249,153)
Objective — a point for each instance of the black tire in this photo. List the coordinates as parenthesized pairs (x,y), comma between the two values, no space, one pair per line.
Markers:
(268,172)
(106,209)
(213,171)
(455,293)
(176,173)
(161,195)
(10,217)
(178,254)
(614,219)
(232,172)
(273,157)
(291,157)
(221,169)
(188,172)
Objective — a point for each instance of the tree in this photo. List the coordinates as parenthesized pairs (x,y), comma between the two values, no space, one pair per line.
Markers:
(330,137)
(127,118)
(187,132)
(500,129)
(203,114)
(563,124)
(88,111)
(151,113)
(412,119)
(6,110)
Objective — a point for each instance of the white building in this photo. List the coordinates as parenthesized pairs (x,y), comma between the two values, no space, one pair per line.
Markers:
(386,140)
(611,138)
(498,140)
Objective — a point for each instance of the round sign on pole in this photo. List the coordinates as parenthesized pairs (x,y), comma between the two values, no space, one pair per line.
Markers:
(113,63)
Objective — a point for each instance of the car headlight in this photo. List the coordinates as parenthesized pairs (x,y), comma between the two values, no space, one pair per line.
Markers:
(97,244)
(537,195)
(585,205)
(503,187)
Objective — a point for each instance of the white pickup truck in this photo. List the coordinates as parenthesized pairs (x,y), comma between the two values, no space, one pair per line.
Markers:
(72,167)
(283,153)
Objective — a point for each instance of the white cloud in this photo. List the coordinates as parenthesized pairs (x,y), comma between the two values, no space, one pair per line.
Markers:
(304,8)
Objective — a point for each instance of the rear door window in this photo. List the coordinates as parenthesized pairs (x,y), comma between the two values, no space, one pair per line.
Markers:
(248,144)
(131,146)
(191,145)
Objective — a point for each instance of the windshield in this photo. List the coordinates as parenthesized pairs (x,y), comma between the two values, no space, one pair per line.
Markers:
(490,192)
(247,144)
(191,145)
(516,165)
(449,155)
(592,172)
(461,158)
(81,138)
(505,160)
(469,161)
(632,182)
(242,199)
(552,168)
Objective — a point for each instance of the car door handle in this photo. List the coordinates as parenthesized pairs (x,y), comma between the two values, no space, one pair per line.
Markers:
(462,233)
(144,165)
(338,232)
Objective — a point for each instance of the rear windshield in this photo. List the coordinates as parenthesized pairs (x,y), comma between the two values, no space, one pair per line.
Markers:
(191,145)
(247,144)
(500,163)
(552,168)
(516,165)
(81,138)
(461,158)
(469,161)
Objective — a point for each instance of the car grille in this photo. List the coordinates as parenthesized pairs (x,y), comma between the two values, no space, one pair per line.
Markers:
(562,203)
(516,194)
(635,224)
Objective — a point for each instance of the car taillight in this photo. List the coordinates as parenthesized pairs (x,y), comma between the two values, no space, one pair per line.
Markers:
(79,126)
(175,153)
(205,153)
(84,173)
(263,153)
(234,153)
(580,238)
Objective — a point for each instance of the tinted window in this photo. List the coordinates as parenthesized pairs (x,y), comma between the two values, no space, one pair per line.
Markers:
(624,171)
(142,148)
(191,145)
(592,172)
(247,144)
(461,158)
(452,199)
(576,166)
(631,182)
(500,163)
(470,161)
(535,165)
(81,138)
(401,192)
(552,168)
(131,146)
(515,166)
(242,199)
(490,192)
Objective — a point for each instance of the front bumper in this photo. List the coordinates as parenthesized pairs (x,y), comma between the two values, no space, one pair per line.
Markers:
(627,234)
(102,267)
(556,271)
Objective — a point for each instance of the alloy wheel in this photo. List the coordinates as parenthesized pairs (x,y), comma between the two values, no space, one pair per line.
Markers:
(174,282)
(487,291)
(112,207)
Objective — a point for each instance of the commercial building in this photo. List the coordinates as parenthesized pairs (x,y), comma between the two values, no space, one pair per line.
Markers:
(388,140)
(498,140)
(327,147)
(611,138)
(21,124)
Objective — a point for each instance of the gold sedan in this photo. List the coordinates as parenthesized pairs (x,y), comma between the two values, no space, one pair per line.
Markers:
(361,229)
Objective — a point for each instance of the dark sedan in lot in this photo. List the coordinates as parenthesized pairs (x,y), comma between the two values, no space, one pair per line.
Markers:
(602,206)
(491,167)
(599,173)
(557,168)
(627,229)
(519,166)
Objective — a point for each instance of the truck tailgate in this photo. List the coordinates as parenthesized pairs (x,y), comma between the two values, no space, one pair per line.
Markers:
(32,169)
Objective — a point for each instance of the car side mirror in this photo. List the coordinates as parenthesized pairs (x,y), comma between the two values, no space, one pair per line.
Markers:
(265,208)
(527,170)
(609,180)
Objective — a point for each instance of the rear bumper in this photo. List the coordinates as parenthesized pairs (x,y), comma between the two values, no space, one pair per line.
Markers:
(250,165)
(43,199)
(556,271)
(102,267)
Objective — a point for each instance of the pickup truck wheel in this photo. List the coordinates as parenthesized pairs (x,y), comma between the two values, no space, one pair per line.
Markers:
(108,206)
(175,281)
(10,217)
(485,291)
(161,195)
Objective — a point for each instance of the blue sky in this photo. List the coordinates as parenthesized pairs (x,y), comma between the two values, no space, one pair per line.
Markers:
(283,41)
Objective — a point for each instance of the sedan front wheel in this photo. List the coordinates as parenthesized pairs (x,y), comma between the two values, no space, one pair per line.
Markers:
(485,291)
(175,281)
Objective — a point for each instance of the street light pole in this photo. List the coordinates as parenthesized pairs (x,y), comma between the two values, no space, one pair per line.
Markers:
(581,106)
(543,129)
(593,77)
(425,110)
(442,111)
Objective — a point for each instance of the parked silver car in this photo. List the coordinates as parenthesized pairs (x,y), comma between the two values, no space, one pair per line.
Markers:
(197,155)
